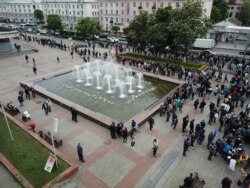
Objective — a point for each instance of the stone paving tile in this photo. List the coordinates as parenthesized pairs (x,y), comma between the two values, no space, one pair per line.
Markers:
(6,179)
(64,127)
(111,168)
(89,141)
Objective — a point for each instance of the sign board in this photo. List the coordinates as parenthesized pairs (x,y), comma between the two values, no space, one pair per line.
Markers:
(50,163)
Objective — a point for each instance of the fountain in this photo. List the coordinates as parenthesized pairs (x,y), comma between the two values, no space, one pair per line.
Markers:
(78,73)
(140,80)
(107,88)
(109,76)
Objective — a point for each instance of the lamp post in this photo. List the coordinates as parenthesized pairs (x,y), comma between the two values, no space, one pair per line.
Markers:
(7,123)
(54,129)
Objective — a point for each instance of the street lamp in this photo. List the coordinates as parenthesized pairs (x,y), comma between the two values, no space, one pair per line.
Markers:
(54,129)
(7,122)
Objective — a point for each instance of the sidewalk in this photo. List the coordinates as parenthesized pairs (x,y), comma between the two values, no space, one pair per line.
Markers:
(231,46)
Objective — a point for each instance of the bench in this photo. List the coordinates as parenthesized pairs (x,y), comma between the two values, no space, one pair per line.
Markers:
(48,138)
(11,110)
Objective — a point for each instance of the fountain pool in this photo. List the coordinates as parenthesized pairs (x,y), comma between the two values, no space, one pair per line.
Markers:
(111,90)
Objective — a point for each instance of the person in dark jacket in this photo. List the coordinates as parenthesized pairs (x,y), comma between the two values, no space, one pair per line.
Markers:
(80,152)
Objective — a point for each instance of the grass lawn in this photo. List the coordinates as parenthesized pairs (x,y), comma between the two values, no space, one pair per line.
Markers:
(27,154)
(161,60)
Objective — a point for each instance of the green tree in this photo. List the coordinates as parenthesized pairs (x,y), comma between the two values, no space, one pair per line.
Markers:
(54,22)
(244,15)
(221,13)
(115,29)
(88,27)
(136,32)
(188,23)
(216,15)
(38,14)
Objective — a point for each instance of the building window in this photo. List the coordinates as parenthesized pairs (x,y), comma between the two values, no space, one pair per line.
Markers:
(116,20)
(101,4)
(122,20)
(134,12)
(134,4)
(237,15)
(177,4)
(128,20)
(161,4)
(122,11)
(111,11)
(106,11)
(230,14)
(169,4)
(122,4)
(107,19)
(106,4)
(34,6)
(116,12)
(73,6)
(77,6)
(101,11)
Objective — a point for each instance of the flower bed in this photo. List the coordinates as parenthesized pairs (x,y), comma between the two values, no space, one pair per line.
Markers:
(134,56)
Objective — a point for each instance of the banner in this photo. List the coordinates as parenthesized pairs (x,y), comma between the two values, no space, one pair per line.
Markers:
(50,163)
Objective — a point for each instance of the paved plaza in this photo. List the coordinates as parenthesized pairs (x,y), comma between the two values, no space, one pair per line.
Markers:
(111,163)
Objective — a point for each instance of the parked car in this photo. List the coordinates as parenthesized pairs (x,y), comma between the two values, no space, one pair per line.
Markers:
(243,52)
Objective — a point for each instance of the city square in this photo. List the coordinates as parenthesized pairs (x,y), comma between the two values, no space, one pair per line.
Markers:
(148,105)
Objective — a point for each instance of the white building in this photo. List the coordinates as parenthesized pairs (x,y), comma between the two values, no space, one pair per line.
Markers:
(120,13)
(19,10)
(71,10)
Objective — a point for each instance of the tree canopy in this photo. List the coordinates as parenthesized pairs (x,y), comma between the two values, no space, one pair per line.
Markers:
(115,29)
(54,22)
(244,15)
(174,29)
(219,11)
(88,27)
(38,14)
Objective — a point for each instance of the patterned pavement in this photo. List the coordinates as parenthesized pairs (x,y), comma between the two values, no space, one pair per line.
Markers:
(111,163)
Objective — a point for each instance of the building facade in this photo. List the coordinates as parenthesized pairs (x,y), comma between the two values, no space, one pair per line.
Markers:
(120,13)
(19,11)
(71,10)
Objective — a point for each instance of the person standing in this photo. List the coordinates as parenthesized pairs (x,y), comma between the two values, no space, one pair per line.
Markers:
(20,99)
(196,104)
(226,182)
(185,123)
(58,60)
(155,146)
(185,146)
(202,105)
(80,153)
(45,108)
(125,134)
(191,126)
(132,142)
(27,92)
(243,175)
(48,101)
(34,62)
(212,149)
(112,130)
(151,122)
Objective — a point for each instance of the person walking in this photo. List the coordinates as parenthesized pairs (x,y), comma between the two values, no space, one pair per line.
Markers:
(27,58)
(132,141)
(185,123)
(191,126)
(35,70)
(155,146)
(80,153)
(185,146)
(202,105)
(151,122)
(34,62)
(73,114)
(58,60)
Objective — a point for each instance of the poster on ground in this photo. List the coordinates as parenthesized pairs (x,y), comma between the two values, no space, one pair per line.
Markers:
(50,163)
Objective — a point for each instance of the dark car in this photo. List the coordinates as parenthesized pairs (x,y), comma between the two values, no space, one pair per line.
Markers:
(242,52)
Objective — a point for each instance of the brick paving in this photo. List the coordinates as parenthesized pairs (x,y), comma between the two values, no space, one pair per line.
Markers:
(111,163)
